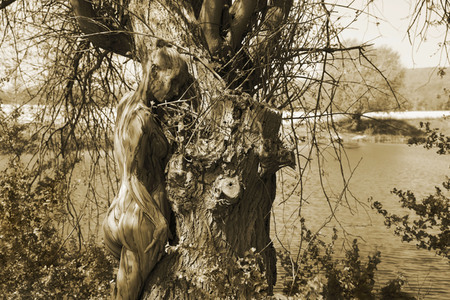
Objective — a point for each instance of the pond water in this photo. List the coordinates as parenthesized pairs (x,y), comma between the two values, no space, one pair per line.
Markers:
(380,168)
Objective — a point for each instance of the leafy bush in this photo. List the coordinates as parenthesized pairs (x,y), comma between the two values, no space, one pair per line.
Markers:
(430,226)
(434,139)
(15,138)
(302,274)
(317,274)
(349,278)
(393,290)
(35,261)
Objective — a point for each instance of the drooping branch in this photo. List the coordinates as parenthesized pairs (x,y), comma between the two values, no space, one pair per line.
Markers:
(102,35)
(331,49)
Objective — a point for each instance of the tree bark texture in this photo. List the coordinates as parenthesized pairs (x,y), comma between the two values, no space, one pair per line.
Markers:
(221,188)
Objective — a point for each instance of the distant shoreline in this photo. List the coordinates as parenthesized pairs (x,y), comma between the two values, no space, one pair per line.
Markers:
(408,115)
(372,130)
(30,113)
(373,127)
(297,116)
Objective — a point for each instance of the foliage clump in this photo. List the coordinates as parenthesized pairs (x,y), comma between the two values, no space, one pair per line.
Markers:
(36,262)
(430,226)
(318,274)
(433,139)
(15,137)
(349,277)
(393,290)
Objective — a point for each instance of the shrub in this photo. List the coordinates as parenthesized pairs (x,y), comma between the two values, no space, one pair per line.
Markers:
(430,224)
(35,261)
(349,278)
(317,274)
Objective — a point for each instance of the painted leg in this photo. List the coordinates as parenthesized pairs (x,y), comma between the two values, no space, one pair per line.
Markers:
(134,269)
(143,247)
(129,277)
(111,229)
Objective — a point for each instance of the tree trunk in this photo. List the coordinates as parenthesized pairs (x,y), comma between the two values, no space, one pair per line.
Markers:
(220,178)
(221,188)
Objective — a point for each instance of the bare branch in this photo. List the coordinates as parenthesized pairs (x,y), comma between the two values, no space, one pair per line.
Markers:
(382,75)
(330,49)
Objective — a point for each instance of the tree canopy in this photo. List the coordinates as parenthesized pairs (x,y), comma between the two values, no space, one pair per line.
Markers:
(371,84)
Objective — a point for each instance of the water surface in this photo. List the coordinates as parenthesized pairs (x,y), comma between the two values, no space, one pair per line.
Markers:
(380,168)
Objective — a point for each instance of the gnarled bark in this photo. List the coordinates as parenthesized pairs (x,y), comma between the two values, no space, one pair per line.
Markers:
(221,189)
(220,178)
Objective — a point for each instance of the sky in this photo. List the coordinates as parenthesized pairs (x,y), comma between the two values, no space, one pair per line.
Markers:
(387,25)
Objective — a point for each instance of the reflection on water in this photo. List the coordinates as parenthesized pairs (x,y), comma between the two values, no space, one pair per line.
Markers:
(381,168)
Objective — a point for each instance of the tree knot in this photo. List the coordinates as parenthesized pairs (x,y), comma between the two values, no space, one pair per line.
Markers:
(226,191)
